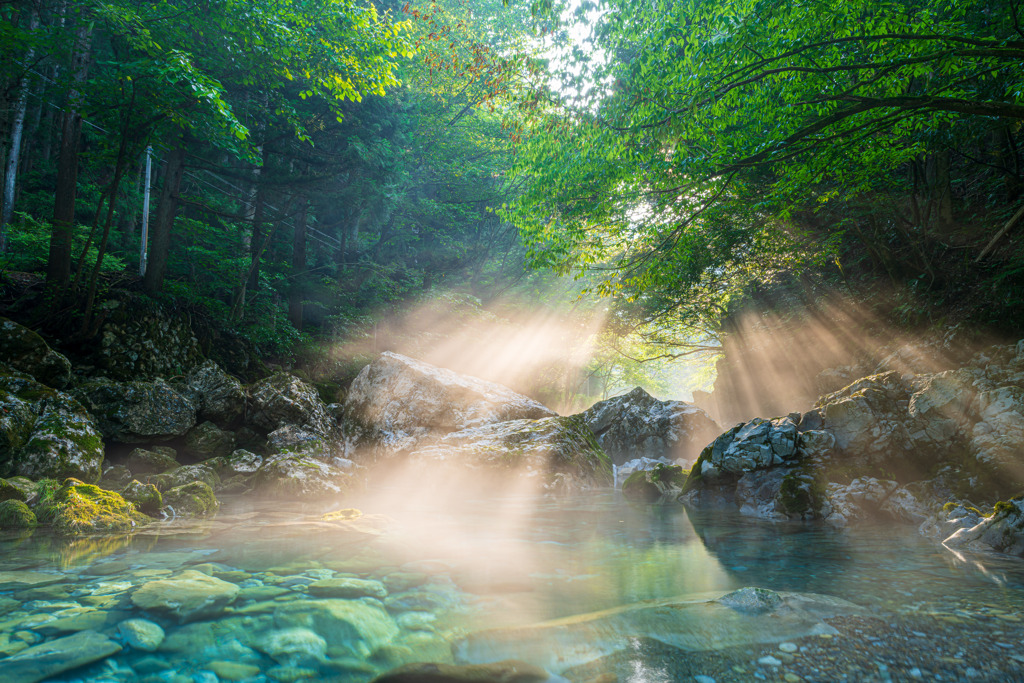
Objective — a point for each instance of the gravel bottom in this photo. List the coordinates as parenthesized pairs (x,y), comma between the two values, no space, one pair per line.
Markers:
(984,646)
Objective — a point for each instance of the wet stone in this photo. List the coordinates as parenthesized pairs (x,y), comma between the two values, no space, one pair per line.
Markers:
(347,588)
(141,634)
(186,597)
(56,656)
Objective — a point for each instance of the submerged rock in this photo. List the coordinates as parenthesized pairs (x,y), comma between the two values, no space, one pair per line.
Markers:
(560,452)
(141,634)
(396,401)
(57,656)
(188,596)
(24,350)
(131,412)
(45,433)
(746,617)
(638,425)
(508,671)
(354,627)
(294,646)
(76,508)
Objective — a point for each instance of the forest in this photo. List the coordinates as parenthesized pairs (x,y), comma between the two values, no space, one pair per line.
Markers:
(305,172)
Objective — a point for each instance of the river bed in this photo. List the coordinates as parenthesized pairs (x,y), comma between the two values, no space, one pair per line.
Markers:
(295,592)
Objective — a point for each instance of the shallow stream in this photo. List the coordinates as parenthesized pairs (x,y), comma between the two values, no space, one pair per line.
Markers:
(452,572)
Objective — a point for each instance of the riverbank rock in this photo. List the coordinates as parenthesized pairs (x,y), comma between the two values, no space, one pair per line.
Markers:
(1002,531)
(45,433)
(300,476)
(396,402)
(638,425)
(15,514)
(560,453)
(217,396)
(661,483)
(142,461)
(757,445)
(285,400)
(145,497)
(207,440)
(132,412)
(24,350)
(195,499)
(188,596)
(78,508)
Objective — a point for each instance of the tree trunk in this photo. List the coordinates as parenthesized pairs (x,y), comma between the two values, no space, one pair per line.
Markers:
(295,292)
(58,267)
(17,129)
(167,206)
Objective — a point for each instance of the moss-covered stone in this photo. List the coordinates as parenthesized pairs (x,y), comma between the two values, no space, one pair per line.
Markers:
(24,350)
(142,461)
(191,500)
(46,433)
(76,507)
(145,497)
(15,514)
(802,493)
(9,491)
(301,477)
(661,482)
(207,440)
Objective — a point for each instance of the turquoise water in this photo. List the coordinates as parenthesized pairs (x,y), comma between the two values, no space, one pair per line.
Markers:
(452,570)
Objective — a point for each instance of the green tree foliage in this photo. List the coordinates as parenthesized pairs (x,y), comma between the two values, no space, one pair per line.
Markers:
(722,145)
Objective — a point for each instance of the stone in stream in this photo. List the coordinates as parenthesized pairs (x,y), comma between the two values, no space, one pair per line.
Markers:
(294,646)
(141,634)
(507,671)
(347,588)
(638,425)
(745,617)
(1002,531)
(142,461)
(195,499)
(217,396)
(57,656)
(14,514)
(352,626)
(77,508)
(188,596)
(207,440)
(284,399)
(145,497)
(396,402)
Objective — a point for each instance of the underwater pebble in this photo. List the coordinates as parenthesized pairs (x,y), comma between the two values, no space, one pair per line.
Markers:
(700,678)
(141,634)
(769,661)
(792,678)
(915,673)
(788,647)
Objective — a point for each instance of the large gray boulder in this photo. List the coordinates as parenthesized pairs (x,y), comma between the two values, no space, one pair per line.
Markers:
(756,445)
(24,350)
(46,433)
(217,396)
(133,412)
(1002,531)
(396,402)
(283,400)
(558,453)
(637,425)
(302,477)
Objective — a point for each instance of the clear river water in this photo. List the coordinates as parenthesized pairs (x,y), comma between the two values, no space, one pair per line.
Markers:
(475,576)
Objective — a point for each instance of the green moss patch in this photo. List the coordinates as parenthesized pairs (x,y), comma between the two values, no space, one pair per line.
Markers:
(195,499)
(15,514)
(76,508)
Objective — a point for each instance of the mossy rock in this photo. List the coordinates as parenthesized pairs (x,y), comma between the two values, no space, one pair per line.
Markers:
(15,514)
(145,497)
(24,484)
(76,508)
(26,351)
(802,493)
(9,491)
(663,481)
(195,499)
(208,440)
(142,461)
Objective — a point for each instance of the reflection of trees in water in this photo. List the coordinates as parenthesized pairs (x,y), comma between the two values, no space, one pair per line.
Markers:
(40,545)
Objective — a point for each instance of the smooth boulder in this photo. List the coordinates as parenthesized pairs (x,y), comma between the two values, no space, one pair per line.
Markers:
(396,402)
(188,596)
